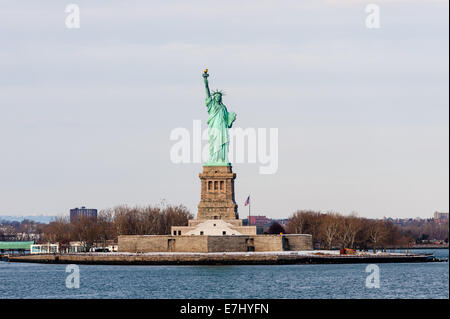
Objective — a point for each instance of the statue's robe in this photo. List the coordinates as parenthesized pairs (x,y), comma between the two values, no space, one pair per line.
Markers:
(219,121)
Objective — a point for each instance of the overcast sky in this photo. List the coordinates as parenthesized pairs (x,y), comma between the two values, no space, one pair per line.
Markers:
(362,114)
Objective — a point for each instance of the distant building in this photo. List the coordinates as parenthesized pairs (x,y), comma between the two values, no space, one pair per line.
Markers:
(440,217)
(73,247)
(282,222)
(12,247)
(45,249)
(83,211)
(260,221)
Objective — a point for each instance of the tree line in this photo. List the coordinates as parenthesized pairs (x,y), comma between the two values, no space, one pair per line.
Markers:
(112,222)
(332,230)
(424,229)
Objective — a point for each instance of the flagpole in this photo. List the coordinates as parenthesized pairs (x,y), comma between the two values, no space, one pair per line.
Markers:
(249,200)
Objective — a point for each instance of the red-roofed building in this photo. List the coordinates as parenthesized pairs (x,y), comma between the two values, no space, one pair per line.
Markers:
(260,220)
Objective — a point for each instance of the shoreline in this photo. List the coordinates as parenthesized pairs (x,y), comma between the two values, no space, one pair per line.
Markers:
(258,258)
(426,247)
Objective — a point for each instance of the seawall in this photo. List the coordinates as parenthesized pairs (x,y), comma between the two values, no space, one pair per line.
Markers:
(253,258)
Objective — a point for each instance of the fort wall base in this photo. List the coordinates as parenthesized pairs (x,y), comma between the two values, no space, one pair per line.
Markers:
(205,244)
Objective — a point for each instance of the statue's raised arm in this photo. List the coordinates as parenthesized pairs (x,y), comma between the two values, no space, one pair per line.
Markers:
(205,78)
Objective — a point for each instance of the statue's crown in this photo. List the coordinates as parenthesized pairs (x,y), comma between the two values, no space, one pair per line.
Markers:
(218,92)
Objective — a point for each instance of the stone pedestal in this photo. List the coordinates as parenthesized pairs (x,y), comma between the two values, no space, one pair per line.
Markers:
(217,194)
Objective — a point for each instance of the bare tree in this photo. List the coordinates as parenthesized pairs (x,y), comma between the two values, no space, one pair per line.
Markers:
(348,229)
(84,229)
(276,228)
(329,228)
(376,232)
(105,226)
(296,222)
(57,231)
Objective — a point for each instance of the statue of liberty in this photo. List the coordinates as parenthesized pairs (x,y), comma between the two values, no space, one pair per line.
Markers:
(219,121)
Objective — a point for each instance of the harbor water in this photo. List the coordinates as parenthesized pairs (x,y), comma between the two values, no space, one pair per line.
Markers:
(403,280)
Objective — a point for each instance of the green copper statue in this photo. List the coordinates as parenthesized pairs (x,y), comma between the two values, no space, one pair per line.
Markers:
(219,121)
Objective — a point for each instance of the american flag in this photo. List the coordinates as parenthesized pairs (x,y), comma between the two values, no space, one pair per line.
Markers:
(247,201)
